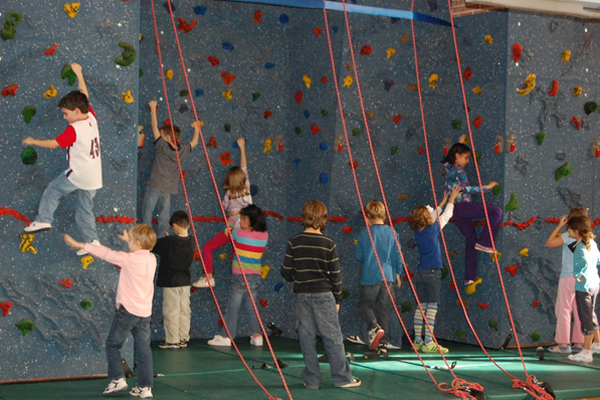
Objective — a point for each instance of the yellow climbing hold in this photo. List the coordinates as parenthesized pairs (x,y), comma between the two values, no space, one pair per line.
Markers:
(477,90)
(169,74)
(223,256)
(264,271)
(348,81)
(50,93)
(489,39)
(529,85)
(200,124)
(577,91)
(268,145)
(228,94)
(390,52)
(496,256)
(71,9)
(86,261)
(127,97)
(472,288)
(433,80)
(355,242)
(566,56)
(524,252)
(26,243)
(306,79)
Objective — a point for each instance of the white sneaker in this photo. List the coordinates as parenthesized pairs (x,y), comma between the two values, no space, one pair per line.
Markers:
(82,252)
(596,348)
(393,347)
(355,339)
(142,392)
(203,282)
(116,386)
(582,356)
(220,341)
(256,340)
(36,226)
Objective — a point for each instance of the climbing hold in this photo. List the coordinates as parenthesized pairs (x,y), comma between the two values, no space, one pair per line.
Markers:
(71,9)
(324,79)
(349,66)
(324,113)
(298,96)
(226,159)
(420,150)
(85,304)
(497,190)
(477,155)
(255,96)
(227,46)
(577,123)
(263,302)
(529,85)
(464,303)
(306,80)
(227,127)
(29,156)
(67,73)
(540,138)
(314,129)
(223,256)
(468,73)
(524,252)
(278,287)
(297,130)
(214,61)
(356,131)
(258,17)
(433,80)
(402,197)
(270,65)
(353,164)
(306,114)
(512,270)
(184,26)
(445,270)
(477,122)
(481,305)
(347,229)
(397,118)
(284,19)
(66,282)
(461,335)
(517,51)
(563,171)
(496,256)
(199,10)
(472,288)
(493,324)
(28,113)
(394,150)
(554,89)
(127,97)
(13,19)
(26,243)
(25,326)
(345,294)
(10,90)
(50,50)
(184,93)
(86,261)
(535,303)
(477,90)
(577,91)
(348,81)
(456,124)
(513,203)
(390,52)
(199,92)
(267,114)
(5,307)
(323,177)
(405,306)
(268,145)
(566,56)
(323,146)
(318,31)
(128,55)
(388,83)
(264,271)
(227,77)
(212,142)
(590,107)
(536,336)
(489,39)
(297,162)
(404,38)
(365,50)
(50,93)
(228,94)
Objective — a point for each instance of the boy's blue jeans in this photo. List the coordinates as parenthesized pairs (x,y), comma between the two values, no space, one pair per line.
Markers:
(84,211)
(237,295)
(139,327)
(152,198)
(316,313)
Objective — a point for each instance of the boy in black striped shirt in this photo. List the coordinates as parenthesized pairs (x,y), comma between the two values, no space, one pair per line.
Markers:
(312,263)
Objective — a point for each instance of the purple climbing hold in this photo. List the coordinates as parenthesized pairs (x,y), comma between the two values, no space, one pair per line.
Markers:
(387,84)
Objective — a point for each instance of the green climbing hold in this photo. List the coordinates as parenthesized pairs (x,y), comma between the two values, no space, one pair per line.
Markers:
(540,138)
(444,271)
(141,72)
(184,93)
(29,156)
(128,55)
(456,124)
(405,306)
(497,190)
(590,107)
(297,130)
(513,203)
(345,294)
(563,171)
(536,336)
(493,324)
(255,96)
(356,131)
(67,73)
(28,113)
(462,335)
(25,326)
(13,19)
(478,155)
(395,149)
(85,304)
(324,113)
(227,127)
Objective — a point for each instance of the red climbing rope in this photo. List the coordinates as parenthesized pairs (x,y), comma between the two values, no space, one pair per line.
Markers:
(220,204)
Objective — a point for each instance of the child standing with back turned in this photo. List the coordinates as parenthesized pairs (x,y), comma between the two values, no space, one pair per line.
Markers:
(312,263)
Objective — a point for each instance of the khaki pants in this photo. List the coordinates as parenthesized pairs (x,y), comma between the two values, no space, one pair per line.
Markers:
(177,313)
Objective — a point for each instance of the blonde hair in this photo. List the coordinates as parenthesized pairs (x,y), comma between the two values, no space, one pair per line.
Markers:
(235,182)
(145,234)
(166,130)
(583,225)
(314,215)
(375,210)
(579,212)
(420,217)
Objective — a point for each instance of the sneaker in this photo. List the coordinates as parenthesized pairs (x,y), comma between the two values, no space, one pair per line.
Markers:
(36,226)
(256,340)
(165,345)
(203,282)
(116,385)
(220,341)
(355,339)
(560,349)
(354,383)
(311,387)
(375,336)
(142,392)
(418,345)
(394,347)
(596,348)
(82,252)
(485,249)
(576,348)
(582,356)
(431,347)
(183,344)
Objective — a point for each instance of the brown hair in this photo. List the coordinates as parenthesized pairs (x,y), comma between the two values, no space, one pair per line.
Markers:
(73,100)
(180,218)
(583,225)
(314,214)
(166,130)
(579,212)
(375,210)
(420,218)
(235,182)
(145,234)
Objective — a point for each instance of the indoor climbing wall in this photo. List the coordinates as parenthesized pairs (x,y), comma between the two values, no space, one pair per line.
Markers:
(57,307)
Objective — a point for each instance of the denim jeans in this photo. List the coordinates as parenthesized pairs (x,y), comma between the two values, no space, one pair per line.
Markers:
(84,211)
(124,323)
(152,198)
(238,295)
(316,313)
(376,296)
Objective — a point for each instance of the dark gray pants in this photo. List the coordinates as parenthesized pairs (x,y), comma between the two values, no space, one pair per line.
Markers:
(374,306)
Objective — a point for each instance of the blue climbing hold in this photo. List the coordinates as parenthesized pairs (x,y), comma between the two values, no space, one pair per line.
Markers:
(297,162)
(199,92)
(284,19)
(334,28)
(235,145)
(227,46)
(306,114)
(200,10)
(269,65)
(253,190)
(166,5)
(323,178)
(278,287)
(323,146)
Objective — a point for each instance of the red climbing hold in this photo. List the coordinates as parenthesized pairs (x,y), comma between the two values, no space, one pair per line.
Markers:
(167,122)
(338,219)
(263,302)
(227,77)
(51,50)
(10,90)
(341,148)
(397,118)
(267,114)
(410,274)
(298,96)
(280,146)
(184,26)
(213,61)
(554,90)
(481,305)
(517,51)
(513,147)
(226,159)
(467,74)
(314,129)
(220,322)
(197,255)
(66,283)
(212,142)
(257,17)
(452,286)
(14,213)
(420,150)
(353,164)
(365,50)
(318,31)
(477,122)
(347,229)
(535,303)
(324,79)
(512,270)
(577,123)
(5,306)
(445,150)
(497,148)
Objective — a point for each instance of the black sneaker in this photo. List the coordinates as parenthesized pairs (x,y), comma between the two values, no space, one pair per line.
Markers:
(183,344)
(355,339)
(166,345)
(375,336)
(354,383)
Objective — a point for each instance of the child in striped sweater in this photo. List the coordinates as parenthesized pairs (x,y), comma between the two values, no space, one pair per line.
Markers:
(250,240)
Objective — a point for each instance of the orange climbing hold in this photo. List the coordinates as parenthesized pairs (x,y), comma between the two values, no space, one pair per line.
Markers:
(577,123)
(10,90)
(314,129)
(213,61)
(185,26)
(318,31)
(257,17)
(512,270)
(51,50)
(5,307)
(554,89)
(227,77)
(66,283)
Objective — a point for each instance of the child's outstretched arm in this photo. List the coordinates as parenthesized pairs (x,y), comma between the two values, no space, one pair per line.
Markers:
(44,143)
(196,138)
(554,240)
(78,71)
(153,104)
(242,144)
(447,214)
